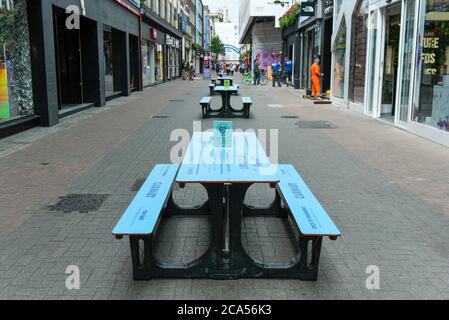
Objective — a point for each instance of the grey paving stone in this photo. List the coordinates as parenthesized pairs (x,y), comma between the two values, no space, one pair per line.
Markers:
(383,223)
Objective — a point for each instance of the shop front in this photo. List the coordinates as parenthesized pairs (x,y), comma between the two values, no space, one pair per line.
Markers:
(82,60)
(401,50)
(173,57)
(161,50)
(315,33)
(148,62)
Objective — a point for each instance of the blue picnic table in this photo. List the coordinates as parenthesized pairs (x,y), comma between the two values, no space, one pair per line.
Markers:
(226,174)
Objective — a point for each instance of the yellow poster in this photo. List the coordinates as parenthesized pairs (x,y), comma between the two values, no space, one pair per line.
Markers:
(4,98)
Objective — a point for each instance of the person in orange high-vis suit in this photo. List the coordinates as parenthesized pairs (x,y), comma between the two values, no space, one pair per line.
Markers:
(315,72)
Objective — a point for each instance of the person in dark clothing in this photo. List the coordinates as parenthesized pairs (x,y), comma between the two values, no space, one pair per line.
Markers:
(288,69)
(256,72)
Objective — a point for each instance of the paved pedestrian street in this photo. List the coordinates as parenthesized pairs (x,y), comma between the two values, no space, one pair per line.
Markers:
(386,189)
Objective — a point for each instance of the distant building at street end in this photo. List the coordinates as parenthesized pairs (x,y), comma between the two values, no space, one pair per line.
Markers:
(260,28)
(228,33)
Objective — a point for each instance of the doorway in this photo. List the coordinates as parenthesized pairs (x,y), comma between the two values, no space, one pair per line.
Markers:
(391,63)
(327,54)
(68,57)
(384,50)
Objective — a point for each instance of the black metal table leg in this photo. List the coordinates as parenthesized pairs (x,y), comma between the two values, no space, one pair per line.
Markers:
(211,265)
(242,265)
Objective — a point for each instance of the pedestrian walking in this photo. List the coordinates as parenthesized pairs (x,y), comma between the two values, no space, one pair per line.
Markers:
(276,69)
(288,69)
(191,75)
(183,70)
(256,72)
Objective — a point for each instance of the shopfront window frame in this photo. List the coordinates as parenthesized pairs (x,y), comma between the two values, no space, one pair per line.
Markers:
(420,26)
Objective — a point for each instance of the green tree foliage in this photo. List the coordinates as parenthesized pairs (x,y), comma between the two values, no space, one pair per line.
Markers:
(199,50)
(290,16)
(217,47)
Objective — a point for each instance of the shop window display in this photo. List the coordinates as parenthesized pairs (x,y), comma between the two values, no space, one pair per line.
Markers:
(359,53)
(432,107)
(339,66)
(148,63)
(16,96)
(159,64)
(8,105)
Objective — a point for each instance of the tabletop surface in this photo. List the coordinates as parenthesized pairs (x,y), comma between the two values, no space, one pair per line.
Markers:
(245,162)
(230,88)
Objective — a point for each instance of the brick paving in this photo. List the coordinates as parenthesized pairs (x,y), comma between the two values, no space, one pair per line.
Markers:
(382,187)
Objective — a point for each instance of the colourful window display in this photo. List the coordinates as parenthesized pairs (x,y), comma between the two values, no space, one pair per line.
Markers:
(4,95)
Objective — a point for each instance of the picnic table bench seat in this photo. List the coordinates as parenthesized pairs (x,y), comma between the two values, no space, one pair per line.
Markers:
(142,217)
(205,105)
(310,218)
(247,103)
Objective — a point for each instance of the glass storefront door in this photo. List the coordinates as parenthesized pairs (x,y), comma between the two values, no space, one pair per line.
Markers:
(391,32)
(68,58)
(311,50)
(148,75)
(108,62)
(406,61)
(159,64)
(373,70)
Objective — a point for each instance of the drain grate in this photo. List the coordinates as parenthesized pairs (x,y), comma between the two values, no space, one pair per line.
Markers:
(137,184)
(315,125)
(82,203)
(160,117)
(289,117)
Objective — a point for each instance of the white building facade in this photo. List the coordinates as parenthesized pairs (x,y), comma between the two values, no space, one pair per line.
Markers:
(260,28)
(391,62)
(228,33)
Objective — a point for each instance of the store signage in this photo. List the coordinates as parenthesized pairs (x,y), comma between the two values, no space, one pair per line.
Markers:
(307,9)
(170,41)
(207,74)
(431,45)
(223,131)
(153,33)
(328,7)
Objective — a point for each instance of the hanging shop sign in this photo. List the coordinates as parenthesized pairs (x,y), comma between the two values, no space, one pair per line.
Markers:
(307,9)
(328,7)
(169,41)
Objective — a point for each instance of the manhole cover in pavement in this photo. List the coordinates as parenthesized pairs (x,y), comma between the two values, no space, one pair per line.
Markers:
(315,125)
(160,117)
(137,184)
(82,203)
